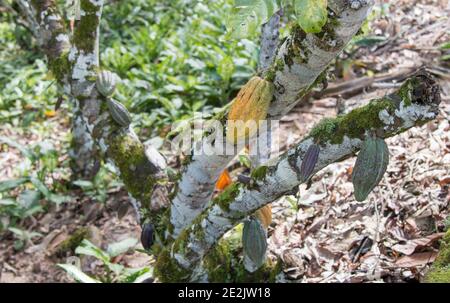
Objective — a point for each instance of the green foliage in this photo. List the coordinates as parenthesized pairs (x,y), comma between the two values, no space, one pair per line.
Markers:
(248,15)
(21,197)
(22,237)
(26,92)
(98,187)
(311,14)
(174,58)
(113,272)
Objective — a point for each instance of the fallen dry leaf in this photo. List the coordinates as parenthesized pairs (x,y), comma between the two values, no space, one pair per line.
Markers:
(411,246)
(417,259)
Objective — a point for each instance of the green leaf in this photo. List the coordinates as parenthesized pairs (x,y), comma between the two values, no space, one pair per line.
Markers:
(311,14)
(370,166)
(84,184)
(41,187)
(244,160)
(138,275)
(248,15)
(10,184)
(445,45)
(121,247)
(89,249)
(77,274)
(59,199)
(28,197)
(7,202)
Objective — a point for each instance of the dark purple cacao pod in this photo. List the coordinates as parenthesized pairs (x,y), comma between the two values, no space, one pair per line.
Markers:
(309,161)
(147,235)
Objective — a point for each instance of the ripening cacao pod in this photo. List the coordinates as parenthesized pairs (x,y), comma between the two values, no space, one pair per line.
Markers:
(309,162)
(147,235)
(224,180)
(264,215)
(370,167)
(250,106)
(119,112)
(106,83)
(254,241)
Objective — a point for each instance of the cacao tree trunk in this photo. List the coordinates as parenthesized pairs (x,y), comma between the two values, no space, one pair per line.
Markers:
(84,154)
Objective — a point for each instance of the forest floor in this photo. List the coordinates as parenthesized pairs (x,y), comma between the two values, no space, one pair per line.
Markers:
(323,234)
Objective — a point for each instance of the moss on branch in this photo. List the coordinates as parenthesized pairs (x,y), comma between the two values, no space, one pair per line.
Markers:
(85,33)
(359,121)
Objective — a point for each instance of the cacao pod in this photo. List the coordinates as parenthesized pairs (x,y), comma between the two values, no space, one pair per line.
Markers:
(119,112)
(147,235)
(264,215)
(224,180)
(106,83)
(250,106)
(254,241)
(309,162)
(370,167)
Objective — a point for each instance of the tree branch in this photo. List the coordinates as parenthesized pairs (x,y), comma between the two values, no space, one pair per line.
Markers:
(53,38)
(414,104)
(269,41)
(302,57)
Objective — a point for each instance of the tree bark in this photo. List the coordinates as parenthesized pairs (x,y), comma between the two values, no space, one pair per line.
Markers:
(53,38)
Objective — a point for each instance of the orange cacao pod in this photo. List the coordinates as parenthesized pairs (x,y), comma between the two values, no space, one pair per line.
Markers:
(250,107)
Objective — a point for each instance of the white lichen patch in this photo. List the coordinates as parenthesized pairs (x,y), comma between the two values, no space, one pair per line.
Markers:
(83,65)
(412,113)
(333,152)
(54,18)
(62,38)
(97,2)
(73,54)
(181,260)
(385,117)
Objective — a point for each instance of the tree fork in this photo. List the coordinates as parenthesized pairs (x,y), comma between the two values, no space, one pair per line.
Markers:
(414,104)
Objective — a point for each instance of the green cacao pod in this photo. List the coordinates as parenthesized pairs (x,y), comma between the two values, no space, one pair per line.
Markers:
(147,235)
(106,83)
(119,113)
(254,241)
(370,167)
(309,161)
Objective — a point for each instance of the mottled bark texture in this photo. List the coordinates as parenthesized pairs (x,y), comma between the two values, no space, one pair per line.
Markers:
(302,57)
(84,154)
(75,62)
(414,104)
(54,39)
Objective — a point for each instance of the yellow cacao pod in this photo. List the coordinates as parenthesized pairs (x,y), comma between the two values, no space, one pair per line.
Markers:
(249,108)
(264,214)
